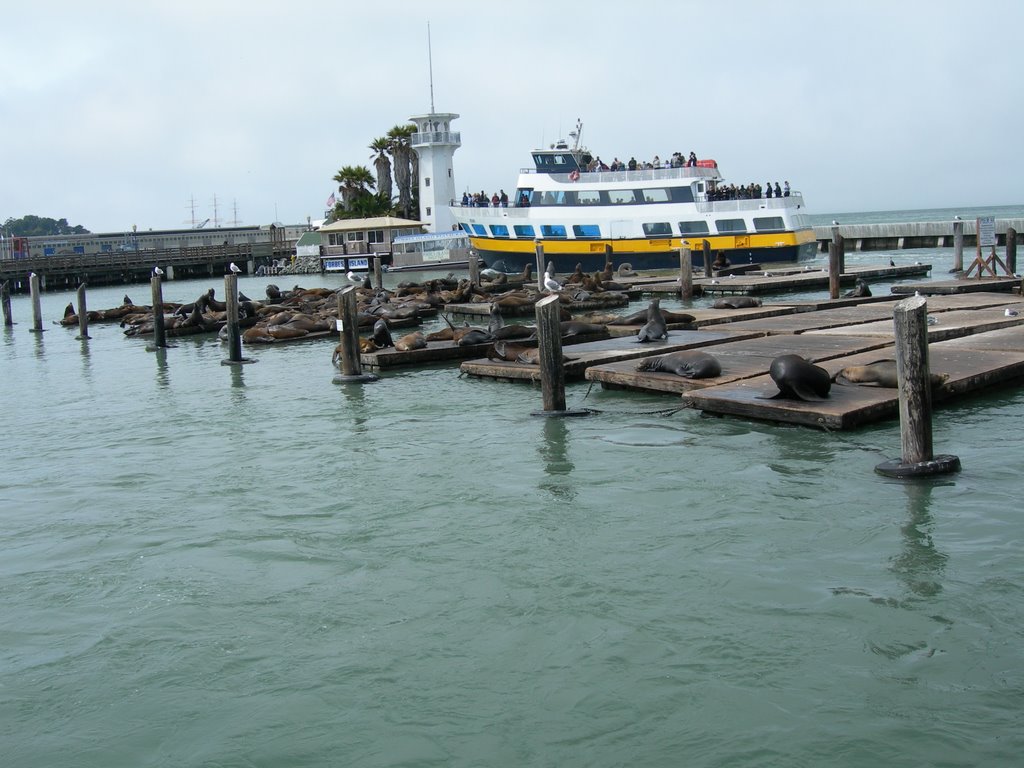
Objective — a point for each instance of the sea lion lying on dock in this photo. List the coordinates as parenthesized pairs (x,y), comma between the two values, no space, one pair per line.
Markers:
(688,363)
(860,289)
(881,373)
(736,302)
(799,379)
(411,341)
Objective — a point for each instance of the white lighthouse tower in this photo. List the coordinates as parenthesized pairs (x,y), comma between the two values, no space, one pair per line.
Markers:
(435,143)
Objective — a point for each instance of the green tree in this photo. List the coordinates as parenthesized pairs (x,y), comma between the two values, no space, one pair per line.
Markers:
(406,166)
(352,181)
(382,163)
(33,226)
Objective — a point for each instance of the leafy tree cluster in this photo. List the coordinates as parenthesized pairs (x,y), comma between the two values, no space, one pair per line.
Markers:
(364,196)
(31,226)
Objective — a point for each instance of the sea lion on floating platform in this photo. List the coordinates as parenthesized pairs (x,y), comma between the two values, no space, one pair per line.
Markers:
(688,363)
(382,335)
(626,270)
(736,302)
(474,336)
(655,329)
(576,328)
(881,373)
(411,341)
(860,289)
(799,379)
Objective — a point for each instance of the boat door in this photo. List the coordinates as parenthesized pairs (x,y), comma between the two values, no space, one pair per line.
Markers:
(620,229)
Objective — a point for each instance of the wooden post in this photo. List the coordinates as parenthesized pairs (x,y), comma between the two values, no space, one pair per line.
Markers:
(685,273)
(157,292)
(37,312)
(83,314)
(608,257)
(539,248)
(474,268)
(234,331)
(552,368)
(1011,250)
(348,325)
(910,318)
(833,271)
(5,302)
(958,246)
(706,246)
(378,273)
(840,244)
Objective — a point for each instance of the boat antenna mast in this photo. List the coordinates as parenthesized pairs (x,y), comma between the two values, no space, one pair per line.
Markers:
(577,134)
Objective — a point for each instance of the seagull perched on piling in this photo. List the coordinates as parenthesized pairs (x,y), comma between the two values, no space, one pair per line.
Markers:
(550,283)
(835,223)
(234,268)
(157,272)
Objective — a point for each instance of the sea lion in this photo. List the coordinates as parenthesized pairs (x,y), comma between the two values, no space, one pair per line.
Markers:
(626,270)
(881,373)
(513,332)
(474,336)
(576,276)
(736,302)
(576,328)
(860,289)
(689,363)
(655,328)
(502,350)
(798,379)
(411,341)
(382,335)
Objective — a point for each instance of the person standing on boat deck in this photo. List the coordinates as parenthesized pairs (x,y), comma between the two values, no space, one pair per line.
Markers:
(769,193)
(778,190)
(631,165)
(693,159)
(785,190)
(465,199)
(495,200)
(657,162)
(504,199)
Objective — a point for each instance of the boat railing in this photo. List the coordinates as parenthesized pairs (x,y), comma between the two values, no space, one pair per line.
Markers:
(795,200)
(647,174)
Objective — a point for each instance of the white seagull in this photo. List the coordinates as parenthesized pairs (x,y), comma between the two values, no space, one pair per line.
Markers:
(234,268)
(157,272)
(1011,312)
(550,283)
(353,277)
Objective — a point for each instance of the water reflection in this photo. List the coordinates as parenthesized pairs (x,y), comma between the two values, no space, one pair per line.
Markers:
(920,565)
(163,378)
(357,410)
(237,383)
(553,450)
(86,358)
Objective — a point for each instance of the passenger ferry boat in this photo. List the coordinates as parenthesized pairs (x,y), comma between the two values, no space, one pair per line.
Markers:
(645,216)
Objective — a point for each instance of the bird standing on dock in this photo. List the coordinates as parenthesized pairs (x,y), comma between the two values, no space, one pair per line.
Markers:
(157,272)
(835,223)
(234,268)
(1011,312)
(550,283)
(353,277)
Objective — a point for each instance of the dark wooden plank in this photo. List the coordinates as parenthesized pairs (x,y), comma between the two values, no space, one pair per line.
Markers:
(801,322)
(582,356)
(943,325)
(740,359)
(1009,339)
(962,285)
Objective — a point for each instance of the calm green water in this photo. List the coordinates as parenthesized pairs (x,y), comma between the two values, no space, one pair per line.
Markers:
(209,566)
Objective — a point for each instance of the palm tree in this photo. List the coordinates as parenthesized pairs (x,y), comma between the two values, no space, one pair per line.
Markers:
(352,181)
(400,140)
(382,163)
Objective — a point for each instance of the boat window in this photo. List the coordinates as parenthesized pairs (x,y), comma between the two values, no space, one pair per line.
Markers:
(556,197)
(499,230)
(682,195)
(731,225)
(586,230)
(693,227)
(656,195)
(658,229)
(466,229)
(523,230)
(769,224)
(621,196)
(479,230)
(522,197)
(552,230)
(588,197)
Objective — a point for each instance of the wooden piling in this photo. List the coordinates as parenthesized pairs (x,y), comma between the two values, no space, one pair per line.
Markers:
(233,327)
(5,302)
(348,326)
(958,246)
(83,313)
(840,244)
(157,293)
(1011,250)
(37,311)
(833,271)
(474,268)
(910,318)
(539,249)
(552,369)
(706,246)
(685,273)
(378,273)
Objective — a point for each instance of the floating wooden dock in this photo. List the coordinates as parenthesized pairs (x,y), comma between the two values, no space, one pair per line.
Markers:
(959,285)
(582,356)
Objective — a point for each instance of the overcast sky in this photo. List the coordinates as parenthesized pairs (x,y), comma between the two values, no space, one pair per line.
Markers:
(122,113)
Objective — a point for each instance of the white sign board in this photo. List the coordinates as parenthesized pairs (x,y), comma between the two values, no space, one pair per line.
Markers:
(986,231)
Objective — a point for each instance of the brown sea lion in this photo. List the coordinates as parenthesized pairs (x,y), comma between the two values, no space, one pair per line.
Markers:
(736,302)
(411,341)
(881,373)
(576,328)
(689,363)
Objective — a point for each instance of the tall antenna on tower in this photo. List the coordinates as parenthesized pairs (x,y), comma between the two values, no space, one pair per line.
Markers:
(430,67)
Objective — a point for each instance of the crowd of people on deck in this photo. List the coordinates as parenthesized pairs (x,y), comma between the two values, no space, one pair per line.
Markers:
(750,191)
(481,200)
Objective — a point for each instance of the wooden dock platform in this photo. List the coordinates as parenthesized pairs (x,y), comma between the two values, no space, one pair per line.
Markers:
(741,359)
(949,324)
(959,285)
(582,356)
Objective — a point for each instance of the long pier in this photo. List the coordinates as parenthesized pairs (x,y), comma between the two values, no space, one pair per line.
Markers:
(60,273)
(909,234)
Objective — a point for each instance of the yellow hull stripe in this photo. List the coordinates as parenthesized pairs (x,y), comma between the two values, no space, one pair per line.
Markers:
(645,245)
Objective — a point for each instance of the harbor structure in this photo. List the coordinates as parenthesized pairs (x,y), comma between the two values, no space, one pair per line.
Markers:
(435,143)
